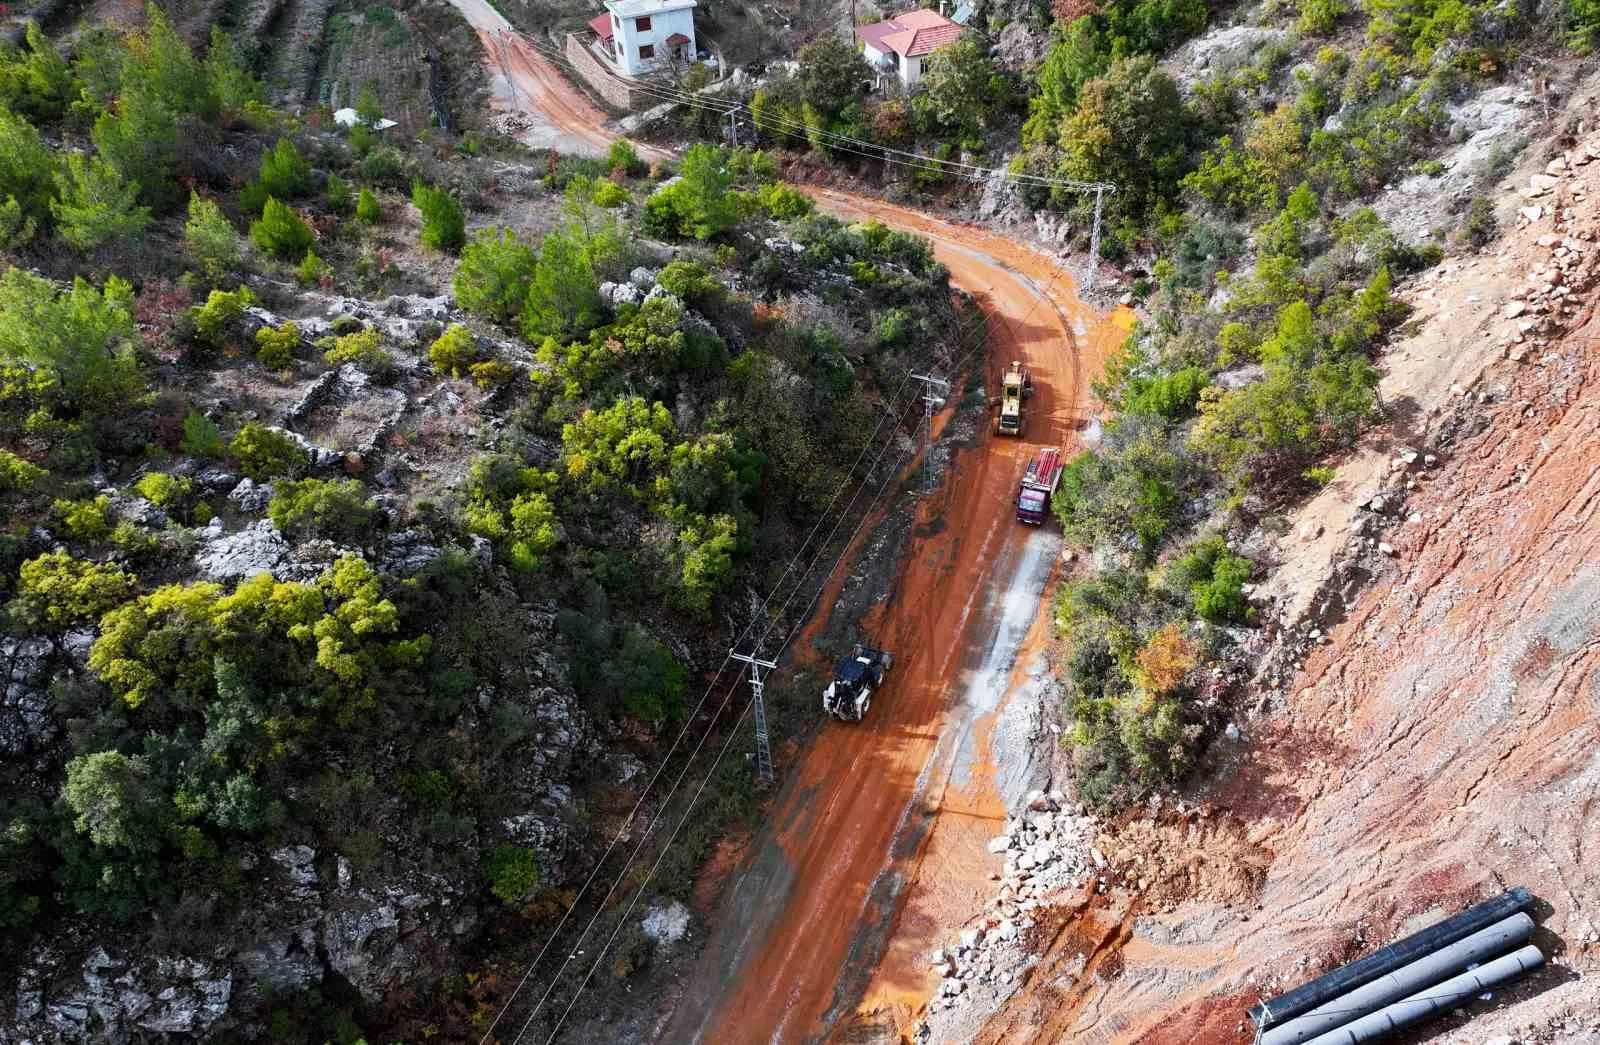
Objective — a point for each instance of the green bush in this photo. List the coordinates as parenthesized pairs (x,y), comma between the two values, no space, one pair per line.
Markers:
(454,352)
(1480,226)
(444,226)
(284,175)
(386,168)
(784,203)
(625,158)
(1214,579)
(337,195)
(17,474)
(264,453)
(367,210)
(609,194)
(338,509)
(311,270)
(82,338)
(221,309)
(201,436)
(700,204)
(89,521)
(275,346)
(513,873)
(495,272)
(57,591)
(164,490)
(95,205)
(364,348)
(37,83)
(211,240)
(280,232)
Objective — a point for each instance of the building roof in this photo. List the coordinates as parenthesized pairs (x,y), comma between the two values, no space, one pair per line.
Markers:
(636,8)
(911,34)
(676,39)
(601,24)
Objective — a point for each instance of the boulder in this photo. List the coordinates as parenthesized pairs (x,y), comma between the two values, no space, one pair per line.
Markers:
(27,716)
(225,557)
(666,924)
(250,497)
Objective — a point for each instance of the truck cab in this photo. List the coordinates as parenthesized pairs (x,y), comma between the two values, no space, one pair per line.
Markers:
(1039,484)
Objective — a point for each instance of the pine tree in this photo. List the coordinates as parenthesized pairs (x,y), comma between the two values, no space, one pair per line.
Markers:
(96,205)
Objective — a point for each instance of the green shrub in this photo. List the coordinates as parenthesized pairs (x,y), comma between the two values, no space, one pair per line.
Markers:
(454,352)
(58,591)
(211,240)
(81,339)
(27,173)
(1480,226)
(336,194)
(689,281)
(1172,396)
(1319,17)
(163,489)
(280,232)
(37,84)
(221,309)
(444,226)
(363,348)
(17,474)
(265,453)
(625,158)
(513,873)
(95,205)
(88,521)
(386,168)
(334,508)
(201,436)
(495,272)
(700,204)
(784,203)
(284,175)
(275,346)
(609,194)
(311,270)
(1214,578)
(489,374)
(367,210)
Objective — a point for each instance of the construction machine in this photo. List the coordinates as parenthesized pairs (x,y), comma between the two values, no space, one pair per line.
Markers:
(854,679)
(1015,386)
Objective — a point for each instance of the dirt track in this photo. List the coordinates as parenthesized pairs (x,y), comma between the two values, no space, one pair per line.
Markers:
(529,85)
(877,843)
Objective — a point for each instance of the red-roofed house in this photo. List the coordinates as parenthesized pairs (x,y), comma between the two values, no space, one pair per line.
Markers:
(902,44)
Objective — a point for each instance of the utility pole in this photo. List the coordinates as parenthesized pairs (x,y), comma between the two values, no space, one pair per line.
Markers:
(733,127)
(930,403)
(763,748)
(1094,236)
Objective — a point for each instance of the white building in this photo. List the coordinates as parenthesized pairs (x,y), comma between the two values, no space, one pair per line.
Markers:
(901,45)
(644,35)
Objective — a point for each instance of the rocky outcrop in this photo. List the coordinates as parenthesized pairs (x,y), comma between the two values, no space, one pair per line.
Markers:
(224,557)
(26,707)
(107,997)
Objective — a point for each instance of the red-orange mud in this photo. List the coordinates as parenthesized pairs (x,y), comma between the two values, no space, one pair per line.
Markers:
(867,856)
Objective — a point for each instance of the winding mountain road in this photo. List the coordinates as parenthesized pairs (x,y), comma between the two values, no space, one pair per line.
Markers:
(876,846)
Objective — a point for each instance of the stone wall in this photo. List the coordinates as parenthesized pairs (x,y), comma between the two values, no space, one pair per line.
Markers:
(613,88)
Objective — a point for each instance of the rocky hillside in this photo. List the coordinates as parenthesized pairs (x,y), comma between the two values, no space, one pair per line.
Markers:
(372,510)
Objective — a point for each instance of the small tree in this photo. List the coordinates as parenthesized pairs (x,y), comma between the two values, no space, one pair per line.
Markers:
(95,204)
(336,193)
(211,240)
(26,170)
(492,279)
(444,226)
(367,210)
(369,110)
(221,309)
(338,509)
(281,232)
(832,74)
(285,175)
(117,801)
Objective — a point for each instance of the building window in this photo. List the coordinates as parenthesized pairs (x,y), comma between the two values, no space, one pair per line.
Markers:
(646,52)
(642,24)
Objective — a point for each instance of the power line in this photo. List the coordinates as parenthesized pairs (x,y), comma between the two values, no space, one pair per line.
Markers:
(599,958)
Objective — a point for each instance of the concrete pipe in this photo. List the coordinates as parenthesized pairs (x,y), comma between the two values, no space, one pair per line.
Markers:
(1435,999)
(1347,978)
(1404,981)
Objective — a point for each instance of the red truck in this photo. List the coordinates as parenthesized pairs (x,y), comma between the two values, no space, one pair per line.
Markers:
(1039,482)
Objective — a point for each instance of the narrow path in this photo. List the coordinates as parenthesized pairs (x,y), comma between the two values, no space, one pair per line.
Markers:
(877,846)
(524,81)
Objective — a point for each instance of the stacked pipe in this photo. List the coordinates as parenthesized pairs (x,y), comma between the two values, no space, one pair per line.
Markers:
(1425,973)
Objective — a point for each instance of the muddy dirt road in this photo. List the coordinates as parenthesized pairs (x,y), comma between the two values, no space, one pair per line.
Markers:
(552,112)
(877,841)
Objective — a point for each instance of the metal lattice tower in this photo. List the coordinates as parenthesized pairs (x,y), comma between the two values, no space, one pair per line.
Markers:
(763,746)
(930,403)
